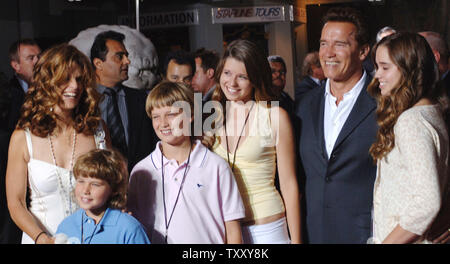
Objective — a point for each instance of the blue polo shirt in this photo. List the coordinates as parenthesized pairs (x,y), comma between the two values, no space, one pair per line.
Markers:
(115,227)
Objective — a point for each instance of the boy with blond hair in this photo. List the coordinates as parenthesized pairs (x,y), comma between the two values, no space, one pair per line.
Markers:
(182,192)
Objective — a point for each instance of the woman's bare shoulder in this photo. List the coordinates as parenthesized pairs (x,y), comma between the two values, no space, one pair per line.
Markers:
(18,143)
(18,135)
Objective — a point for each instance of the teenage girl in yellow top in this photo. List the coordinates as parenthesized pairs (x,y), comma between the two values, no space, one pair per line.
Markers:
(255,137)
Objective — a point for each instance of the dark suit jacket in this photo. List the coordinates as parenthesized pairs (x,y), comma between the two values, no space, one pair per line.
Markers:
(209,94)
(9,232)
(446,83)
(142,137)
(287,104)
(338,191)
(304,86)
(17,99)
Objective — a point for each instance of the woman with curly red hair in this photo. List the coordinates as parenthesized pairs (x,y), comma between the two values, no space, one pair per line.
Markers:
(412,145)
(60,120)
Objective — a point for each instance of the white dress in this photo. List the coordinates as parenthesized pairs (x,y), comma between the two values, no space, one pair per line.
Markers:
(412,178)
(51,189)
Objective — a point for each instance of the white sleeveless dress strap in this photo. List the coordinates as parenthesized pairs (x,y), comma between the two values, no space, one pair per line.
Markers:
(29,145)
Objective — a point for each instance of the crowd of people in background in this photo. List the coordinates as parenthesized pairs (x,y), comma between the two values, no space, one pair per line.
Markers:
(359,155)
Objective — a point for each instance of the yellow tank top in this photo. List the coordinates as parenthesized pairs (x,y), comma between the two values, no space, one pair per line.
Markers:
(255,167)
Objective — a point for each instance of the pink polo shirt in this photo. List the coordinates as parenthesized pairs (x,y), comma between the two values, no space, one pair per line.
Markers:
(209,197)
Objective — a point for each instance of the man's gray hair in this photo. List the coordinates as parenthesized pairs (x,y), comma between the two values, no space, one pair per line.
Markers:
(384,30)
(277,58)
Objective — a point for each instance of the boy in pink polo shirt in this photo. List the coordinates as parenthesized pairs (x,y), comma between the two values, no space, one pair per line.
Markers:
(182,192)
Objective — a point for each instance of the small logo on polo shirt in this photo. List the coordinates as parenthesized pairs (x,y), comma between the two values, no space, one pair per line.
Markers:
(199,185)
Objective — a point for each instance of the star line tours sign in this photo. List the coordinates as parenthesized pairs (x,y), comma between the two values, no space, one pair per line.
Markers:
(166,19)
(248,14)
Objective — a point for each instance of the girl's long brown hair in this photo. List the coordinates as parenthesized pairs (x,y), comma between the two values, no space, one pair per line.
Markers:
(414,58)
(54,69)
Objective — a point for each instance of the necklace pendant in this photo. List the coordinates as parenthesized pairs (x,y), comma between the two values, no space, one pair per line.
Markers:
(164,234)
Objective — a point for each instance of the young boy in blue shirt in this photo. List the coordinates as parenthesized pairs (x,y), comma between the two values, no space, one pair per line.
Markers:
(101,191)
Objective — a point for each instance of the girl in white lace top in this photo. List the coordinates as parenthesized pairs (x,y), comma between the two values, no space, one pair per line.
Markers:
(412,145)
(59,121)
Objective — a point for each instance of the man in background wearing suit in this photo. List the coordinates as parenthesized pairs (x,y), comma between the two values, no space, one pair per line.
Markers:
(122,108)
(312,75)
(205,67)
(337,127)
(9,232)
(23,55)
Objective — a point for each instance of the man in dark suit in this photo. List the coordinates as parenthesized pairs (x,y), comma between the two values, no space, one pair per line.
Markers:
(9,232)
(122,108)
(23,55)
(312,75)
(337,126)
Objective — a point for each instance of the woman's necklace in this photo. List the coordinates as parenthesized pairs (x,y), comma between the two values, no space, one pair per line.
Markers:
(66,193)
(167,223)
(239,139)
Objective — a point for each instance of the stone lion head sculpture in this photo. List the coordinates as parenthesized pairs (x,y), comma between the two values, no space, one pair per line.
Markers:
(142,53)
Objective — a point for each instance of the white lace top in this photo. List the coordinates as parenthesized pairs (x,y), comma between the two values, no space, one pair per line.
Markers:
(51,189)
(412,177)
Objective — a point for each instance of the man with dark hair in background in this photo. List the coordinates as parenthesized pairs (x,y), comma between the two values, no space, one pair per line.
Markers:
(23,55)
(123,108)
(205,67)
(179,66)
(278,67)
